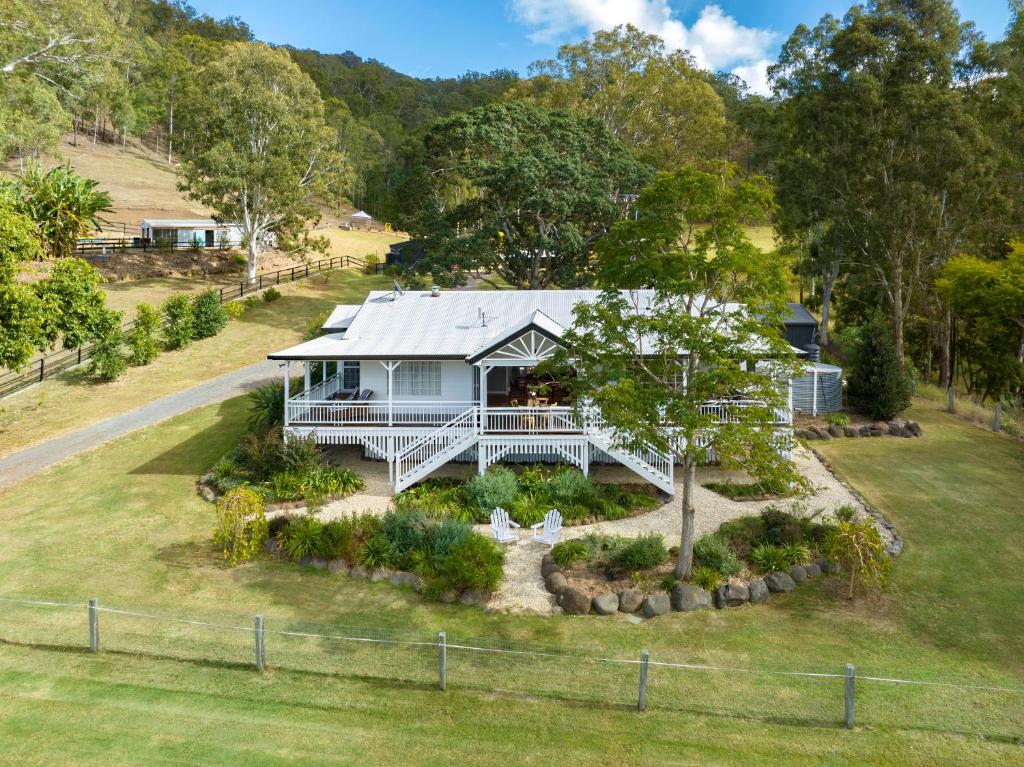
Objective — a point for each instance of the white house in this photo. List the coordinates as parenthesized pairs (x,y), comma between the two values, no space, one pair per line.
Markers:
(422,378)
(183,232)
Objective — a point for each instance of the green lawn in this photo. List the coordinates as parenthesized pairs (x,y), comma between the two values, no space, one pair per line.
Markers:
(70,401)
(123,523)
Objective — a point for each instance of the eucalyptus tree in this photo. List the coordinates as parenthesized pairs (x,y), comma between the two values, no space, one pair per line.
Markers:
(258,151)
(709,334)
(523,191)
(656,102)
(884,148)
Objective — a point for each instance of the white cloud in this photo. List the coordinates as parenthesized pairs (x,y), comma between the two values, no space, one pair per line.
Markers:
(715,40)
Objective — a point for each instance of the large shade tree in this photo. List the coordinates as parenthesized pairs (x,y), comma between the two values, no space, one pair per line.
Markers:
(710,334)
(257,150)
(654,101)
(522,191)
(883,151)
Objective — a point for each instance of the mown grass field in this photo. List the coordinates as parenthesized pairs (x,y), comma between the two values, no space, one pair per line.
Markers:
(123,523)
(70,401)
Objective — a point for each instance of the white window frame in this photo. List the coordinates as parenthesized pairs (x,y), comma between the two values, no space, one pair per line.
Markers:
(418,379)
(350,370)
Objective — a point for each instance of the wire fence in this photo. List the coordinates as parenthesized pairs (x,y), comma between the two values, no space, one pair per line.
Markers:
(59,362)
(837,697)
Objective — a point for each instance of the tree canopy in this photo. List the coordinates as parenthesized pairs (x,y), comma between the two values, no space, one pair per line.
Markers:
(523,191)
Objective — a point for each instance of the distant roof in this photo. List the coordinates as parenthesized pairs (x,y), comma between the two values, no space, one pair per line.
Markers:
(456,324)
(341,317)
(798,315)
(361,214)
(181,223)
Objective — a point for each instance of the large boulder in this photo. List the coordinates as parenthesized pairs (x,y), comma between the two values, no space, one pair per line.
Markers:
(758,591)
(478,597)
(829,567)
(409,580)
(686,597)
(555,582)
(359,572)
(813,570)
(851,431)
(913,427)
(865,430)
(449,596)
(834,430)
(822,433)
(656,604)
(895,429)
(546,568)
(318,563)
(630,601)
(606,603)
(798,573)
(779,582)
(731,595)
(381,574)
(573,601)
(807,434)
(338,567)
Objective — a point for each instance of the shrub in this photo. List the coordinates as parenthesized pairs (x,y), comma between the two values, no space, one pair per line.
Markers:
(604,549)
(271,294)
(532,478)
(781,527)
(767,557)
(569,552)
(241,259)
(642,553)
(746,490)
(447,535)
(343,538)
(107,361)
(569,486)
(439,497)
(713,551)
(527,509)
(404,532)
(475,563)
(241,525)
(251,301)
(878,386)
(208,315)
(498,487)
(743,534)
(234,308)
(266,406)
(371,260)
(302,537)
(857,546)
(178,321)
(845,513)
(374,552)
(260,454)
(838,419)
(796,553)
(706,578)
(142,340)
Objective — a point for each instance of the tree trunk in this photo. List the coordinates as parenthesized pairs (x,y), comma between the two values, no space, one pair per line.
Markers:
(253,261)
(946,359)
(170,131)
(685,561)
(897,319)
(828,278)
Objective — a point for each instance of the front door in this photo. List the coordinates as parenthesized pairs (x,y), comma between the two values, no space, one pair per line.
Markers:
(497,381)
(209,238)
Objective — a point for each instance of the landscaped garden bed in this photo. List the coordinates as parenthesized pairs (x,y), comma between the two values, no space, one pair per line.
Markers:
(745,561)
(444,560)
(746,491)
(528,496)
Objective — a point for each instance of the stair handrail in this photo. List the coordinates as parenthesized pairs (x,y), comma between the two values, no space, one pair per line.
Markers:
(436,436)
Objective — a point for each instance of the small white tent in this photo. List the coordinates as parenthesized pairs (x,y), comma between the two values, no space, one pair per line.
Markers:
(360,219)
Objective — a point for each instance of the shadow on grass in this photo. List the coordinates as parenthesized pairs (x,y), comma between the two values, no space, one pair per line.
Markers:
(408,684)
(194,455)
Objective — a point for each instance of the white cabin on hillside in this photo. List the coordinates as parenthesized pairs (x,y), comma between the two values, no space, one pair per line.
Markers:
(422,378)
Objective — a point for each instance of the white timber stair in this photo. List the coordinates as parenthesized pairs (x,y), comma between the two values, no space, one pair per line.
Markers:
(656,468)
(435,449)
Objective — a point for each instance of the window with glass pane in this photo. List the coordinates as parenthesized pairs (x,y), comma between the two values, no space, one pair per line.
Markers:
(350,375)
(418,379)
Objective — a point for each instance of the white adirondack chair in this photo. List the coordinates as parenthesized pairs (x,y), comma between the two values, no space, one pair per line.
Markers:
(552,528)
(500,524)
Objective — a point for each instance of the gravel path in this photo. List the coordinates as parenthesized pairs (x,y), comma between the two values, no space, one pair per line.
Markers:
(24,463)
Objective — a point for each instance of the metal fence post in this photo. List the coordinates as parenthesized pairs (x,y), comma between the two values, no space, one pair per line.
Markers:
(995,416)
(259,643)
(849,694)
(641,701)
(42,368)
(442,662)
(94,625)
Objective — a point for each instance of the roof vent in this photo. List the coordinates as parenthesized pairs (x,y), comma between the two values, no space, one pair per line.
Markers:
(435,291)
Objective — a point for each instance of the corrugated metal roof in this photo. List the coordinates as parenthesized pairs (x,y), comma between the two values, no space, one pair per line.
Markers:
(181,223)
(798,315)
(342,316)
(451,325)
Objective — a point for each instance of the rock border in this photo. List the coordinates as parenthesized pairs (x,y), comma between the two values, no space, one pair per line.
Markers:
(888,531)
(900,428)
(684,597)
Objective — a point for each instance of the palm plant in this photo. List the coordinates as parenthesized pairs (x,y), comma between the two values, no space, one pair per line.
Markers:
(64,205)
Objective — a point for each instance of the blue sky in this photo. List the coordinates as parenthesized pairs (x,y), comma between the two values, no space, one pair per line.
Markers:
(441,39)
